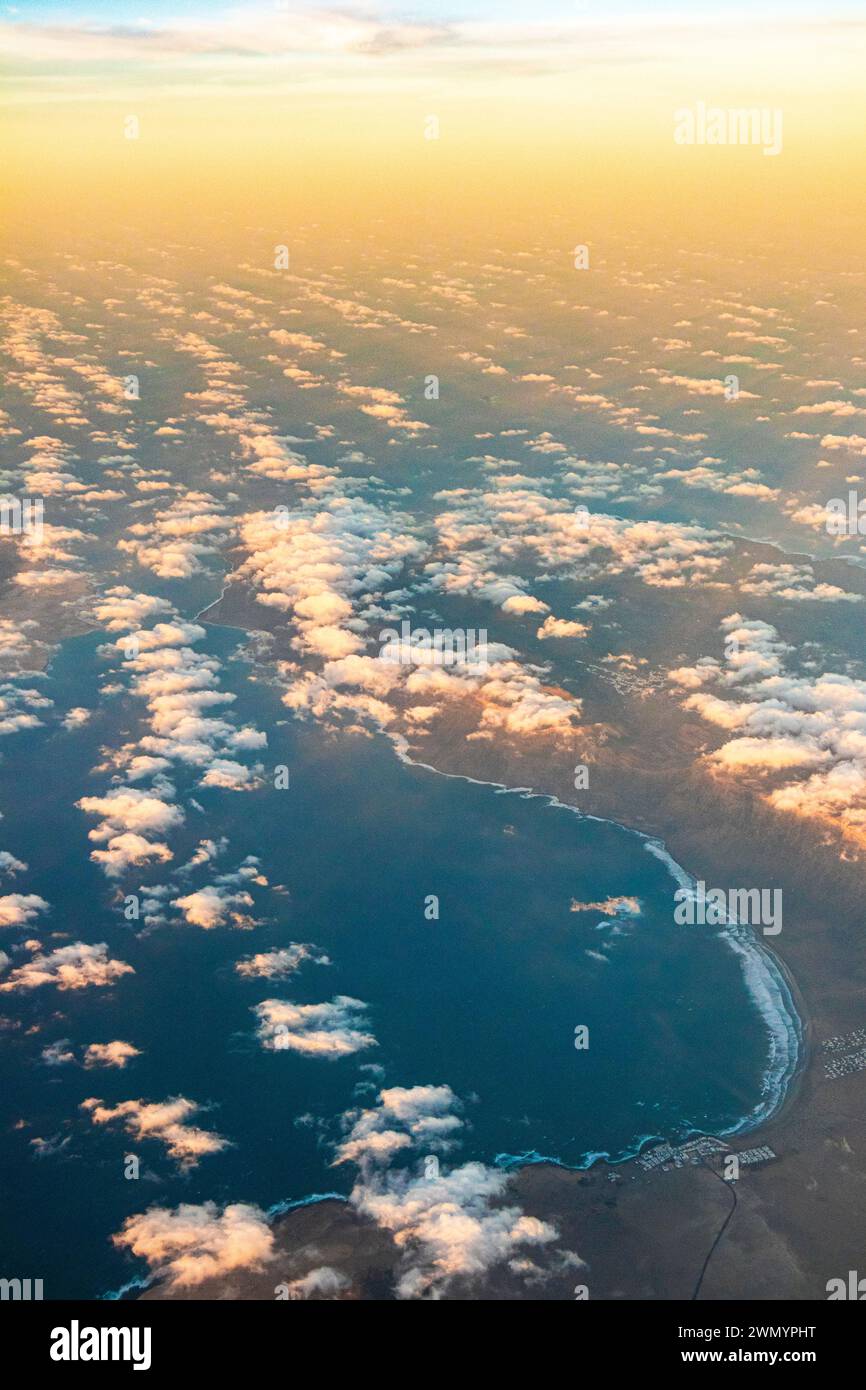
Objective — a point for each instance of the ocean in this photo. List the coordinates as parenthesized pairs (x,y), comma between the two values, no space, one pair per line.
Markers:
(688,1028)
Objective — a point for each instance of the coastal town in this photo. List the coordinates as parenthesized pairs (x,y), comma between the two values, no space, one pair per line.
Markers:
(694,1151)
(844,1054)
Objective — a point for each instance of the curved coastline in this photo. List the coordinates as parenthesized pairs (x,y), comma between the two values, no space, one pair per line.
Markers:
(771,990)
(772,993)
(768,983)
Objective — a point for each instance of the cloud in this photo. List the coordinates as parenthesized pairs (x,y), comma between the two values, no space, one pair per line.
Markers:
(256,32)
(516,702)
(856,443)
(785,723)
(215,907)
(523,603)
(315,566)
(384,405)
(190,1244)
(14,640)
(110,1054)
(744,482)
(179,687)
(128,850)
(327,567)
(17,706)
(332,1030)
(482,529)
(280,963)
(10,865)
(794,584)
(17,909)
(509,698)
(231,775)
(449,1227)
(44,579)
(76,718)
(123,610)
(698,386)
(403,1117)
(610,907)
(186,724)
(322,1282)
(127,808)
(77,966)
(129,816)
(837,408)
(173,544)
(206,851)
(167,1121)
(221,902)
(561,627)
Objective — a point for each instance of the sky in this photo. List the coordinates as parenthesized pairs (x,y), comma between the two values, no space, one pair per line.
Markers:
(554,102)
(132,11)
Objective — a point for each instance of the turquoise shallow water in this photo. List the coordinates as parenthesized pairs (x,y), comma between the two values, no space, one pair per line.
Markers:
(688,1030)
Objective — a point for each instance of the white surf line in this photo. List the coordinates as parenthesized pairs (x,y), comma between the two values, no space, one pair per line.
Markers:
(762,972)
